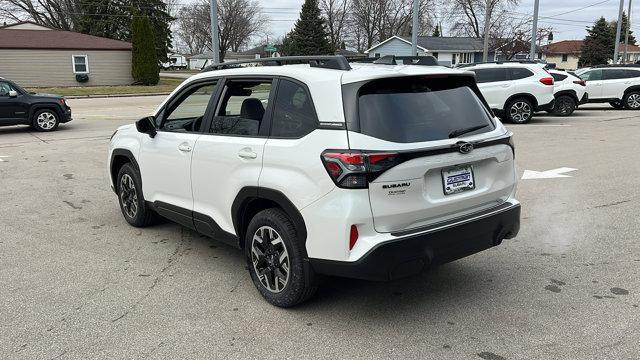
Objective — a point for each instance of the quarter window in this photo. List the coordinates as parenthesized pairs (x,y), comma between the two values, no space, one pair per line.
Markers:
(293,115)
(632,73)
(558,77)
(519,73)
(614,74)
(187,113)
(242,108)
(80,64)
(491,75)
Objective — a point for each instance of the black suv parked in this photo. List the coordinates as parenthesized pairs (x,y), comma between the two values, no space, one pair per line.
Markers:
(44,112)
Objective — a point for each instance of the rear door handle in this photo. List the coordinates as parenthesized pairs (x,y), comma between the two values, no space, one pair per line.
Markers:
(247,153)
(184,147)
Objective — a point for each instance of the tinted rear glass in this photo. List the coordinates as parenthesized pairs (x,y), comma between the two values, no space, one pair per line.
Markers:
(417,109)
(491,75)
(520,73)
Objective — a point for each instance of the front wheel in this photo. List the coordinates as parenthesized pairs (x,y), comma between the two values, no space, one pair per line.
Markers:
(631,101)
(519,111)
(564,106)
(45,120)
(275,259)
(134,208)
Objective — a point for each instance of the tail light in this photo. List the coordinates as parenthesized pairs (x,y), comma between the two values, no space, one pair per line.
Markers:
(547,80)
(580,82)
(353,236)
(61,102)
(354,169)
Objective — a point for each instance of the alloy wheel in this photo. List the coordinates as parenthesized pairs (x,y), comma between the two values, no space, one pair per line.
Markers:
(46,120)
(633,101)
(128,196)
(270,259)
(564,107)
(520,111)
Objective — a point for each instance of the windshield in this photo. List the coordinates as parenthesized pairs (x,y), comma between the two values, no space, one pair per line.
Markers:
(418,109)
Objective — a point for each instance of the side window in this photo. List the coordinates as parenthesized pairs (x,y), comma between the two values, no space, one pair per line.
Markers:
(491,75)
(242,107)
(294,115)
(186,114)
(632,73)
(558,77)
(592,75)
(614,74)
(5,88)
(520,73)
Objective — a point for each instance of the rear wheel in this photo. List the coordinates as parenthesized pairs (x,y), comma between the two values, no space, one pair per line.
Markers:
(564,106)
(631,101)
(519,111)
(275,259)
(132,204)
(45,120)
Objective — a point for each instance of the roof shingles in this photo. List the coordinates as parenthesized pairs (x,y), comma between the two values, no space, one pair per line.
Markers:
(57,40)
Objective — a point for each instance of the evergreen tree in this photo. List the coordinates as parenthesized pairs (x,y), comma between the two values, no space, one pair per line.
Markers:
(144,65)
(308,36)
(625,25)
(598,45)
(436,32)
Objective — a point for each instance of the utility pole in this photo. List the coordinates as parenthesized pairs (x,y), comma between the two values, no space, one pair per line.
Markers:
(215,45)
(414,30)
(487,24)
(616,50)
(626,36)
(534,30)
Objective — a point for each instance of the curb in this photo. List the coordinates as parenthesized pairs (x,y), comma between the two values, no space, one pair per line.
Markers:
(114,95)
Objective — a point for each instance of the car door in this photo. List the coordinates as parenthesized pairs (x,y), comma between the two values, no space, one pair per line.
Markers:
(228,156)
(614,83)
(594,83)
(495,86)
(165,160)
(11,108)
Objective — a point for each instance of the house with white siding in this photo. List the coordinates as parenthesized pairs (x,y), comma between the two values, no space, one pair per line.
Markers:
(38,56)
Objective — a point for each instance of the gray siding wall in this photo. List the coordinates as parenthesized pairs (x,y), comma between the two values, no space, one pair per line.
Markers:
(393,47)
(40,68)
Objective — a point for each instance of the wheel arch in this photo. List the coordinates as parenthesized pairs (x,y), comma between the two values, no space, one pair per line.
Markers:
(527,96)
(119,157)
(570,93)
(44,106)
(630,89)
(252,199)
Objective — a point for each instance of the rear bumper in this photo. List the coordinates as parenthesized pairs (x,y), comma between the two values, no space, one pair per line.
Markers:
(546,107)
(66,117)
(409,255)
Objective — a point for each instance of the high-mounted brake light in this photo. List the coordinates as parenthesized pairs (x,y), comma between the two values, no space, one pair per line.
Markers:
(547,80)
(580,82)
(354,169)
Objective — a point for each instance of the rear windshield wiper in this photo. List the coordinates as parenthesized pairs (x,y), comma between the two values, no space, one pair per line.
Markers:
(459,132)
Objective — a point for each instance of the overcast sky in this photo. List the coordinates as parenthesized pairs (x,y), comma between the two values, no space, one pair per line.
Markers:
(563,15)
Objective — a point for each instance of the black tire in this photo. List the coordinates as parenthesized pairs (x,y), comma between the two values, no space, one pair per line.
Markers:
(519,111)
(45,120)
(564,106)
(267,265)
(132,204)
(631,100)
(616,104)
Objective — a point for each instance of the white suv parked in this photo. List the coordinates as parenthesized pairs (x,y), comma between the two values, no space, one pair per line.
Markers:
(569,91)
(619,85)
(360,170)
(515,90)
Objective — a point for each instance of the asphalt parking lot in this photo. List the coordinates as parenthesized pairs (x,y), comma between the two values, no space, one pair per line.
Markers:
(78,282)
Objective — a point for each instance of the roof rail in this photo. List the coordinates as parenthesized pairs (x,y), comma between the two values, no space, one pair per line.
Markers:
(335,62)
(502,62)
(406,60)
(616,65)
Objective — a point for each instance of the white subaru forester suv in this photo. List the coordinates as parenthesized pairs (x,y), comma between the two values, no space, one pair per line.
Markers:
(367,171)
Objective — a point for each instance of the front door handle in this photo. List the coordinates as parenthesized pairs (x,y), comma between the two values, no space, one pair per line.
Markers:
(247,153)
(184,147)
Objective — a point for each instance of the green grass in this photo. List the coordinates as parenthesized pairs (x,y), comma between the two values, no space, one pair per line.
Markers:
(166,85)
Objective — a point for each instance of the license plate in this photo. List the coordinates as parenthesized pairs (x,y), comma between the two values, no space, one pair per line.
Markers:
(457,179)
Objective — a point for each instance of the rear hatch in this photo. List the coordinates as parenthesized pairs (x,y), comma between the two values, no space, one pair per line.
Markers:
(434,150)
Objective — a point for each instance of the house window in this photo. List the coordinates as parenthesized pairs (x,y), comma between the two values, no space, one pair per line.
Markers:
(565,57)
(465,58)
(80,64)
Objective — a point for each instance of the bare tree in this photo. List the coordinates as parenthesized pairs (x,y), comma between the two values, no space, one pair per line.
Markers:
(239,21)
(336,14)
(468,16)
(60,14)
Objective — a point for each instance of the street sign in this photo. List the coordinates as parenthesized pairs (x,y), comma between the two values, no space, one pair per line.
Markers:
(270,48)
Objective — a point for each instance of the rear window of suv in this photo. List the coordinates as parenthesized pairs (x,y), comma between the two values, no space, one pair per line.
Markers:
(417,109)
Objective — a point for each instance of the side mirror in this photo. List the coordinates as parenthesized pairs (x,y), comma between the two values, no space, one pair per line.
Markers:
(147,126)
(13,93)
